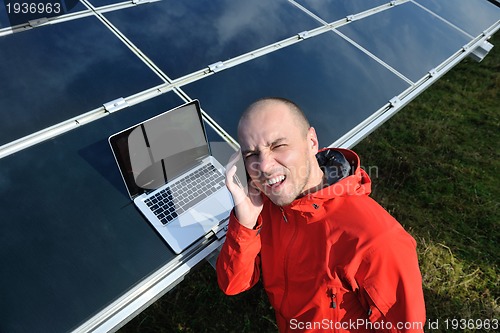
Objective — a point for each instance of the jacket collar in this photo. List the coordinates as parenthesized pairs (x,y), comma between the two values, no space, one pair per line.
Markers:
(344,177)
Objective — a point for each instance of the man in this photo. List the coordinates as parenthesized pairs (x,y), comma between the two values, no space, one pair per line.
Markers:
(331,258)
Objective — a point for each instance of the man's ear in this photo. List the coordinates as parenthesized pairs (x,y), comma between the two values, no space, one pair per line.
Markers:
(312,139)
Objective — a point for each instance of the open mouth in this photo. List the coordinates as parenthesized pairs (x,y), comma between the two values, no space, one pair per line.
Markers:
(275,182)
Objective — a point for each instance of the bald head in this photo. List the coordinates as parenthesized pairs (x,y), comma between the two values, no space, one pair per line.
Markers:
(289,109)
(279,149)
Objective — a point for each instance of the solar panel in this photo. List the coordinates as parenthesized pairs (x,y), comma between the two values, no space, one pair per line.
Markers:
(336,69)
(333,10)
(470,16)
(407,38)
(75,63)
(60,71)
(190,36)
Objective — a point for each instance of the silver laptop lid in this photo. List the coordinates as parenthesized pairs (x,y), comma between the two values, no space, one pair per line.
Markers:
(161,148)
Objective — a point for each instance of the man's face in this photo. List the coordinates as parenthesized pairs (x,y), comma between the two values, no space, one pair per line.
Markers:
(277,152)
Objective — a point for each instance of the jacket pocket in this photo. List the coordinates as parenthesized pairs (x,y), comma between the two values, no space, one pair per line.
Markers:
(382,304)
(379,307)
(347,312)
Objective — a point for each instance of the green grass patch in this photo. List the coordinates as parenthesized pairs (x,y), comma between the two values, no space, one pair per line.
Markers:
(438,173)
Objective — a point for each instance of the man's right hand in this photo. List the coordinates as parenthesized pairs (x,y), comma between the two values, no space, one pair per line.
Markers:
(247,200)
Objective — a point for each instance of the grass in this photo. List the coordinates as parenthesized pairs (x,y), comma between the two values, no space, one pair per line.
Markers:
(438,167)
(438,164)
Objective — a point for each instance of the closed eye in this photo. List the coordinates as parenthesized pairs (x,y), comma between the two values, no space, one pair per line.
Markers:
(279,143)
(279,146)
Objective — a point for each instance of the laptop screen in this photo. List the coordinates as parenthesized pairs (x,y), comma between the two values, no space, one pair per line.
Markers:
(156,151)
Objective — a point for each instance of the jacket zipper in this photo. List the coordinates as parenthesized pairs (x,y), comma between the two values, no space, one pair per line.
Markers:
(284,216)
(331,293)
(286,260)
(333,302)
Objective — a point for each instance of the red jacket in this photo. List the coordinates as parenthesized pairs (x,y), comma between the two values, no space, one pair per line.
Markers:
(333,260)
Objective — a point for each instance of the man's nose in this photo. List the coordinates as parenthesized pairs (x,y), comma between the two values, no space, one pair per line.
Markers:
(266,163)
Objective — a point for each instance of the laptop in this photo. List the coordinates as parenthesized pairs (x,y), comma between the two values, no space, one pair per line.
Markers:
(171,176)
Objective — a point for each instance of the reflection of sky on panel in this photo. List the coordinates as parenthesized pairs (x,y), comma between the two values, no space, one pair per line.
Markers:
(325,75)
(4,19)
(459,12)
(185,36)
(333,10)
(55,269)
(56,72)
(407,38)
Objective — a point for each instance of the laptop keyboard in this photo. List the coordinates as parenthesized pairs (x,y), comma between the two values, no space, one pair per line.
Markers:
(168,203)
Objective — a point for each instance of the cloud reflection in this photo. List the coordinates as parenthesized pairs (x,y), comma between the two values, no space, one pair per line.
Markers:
(194,34)
(53,73)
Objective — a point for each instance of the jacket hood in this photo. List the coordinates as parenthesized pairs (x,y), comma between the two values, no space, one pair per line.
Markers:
(334,165)
(344,176)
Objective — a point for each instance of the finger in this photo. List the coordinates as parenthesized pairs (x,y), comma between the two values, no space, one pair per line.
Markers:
(231,178)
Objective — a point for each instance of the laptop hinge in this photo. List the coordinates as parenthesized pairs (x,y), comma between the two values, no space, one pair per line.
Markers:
(115,105)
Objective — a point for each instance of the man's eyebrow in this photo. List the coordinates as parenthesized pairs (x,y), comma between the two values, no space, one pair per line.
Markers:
(277,141)
(245,152)
(253,150)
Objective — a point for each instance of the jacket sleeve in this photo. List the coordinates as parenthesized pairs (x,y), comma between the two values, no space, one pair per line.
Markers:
(393,285)
(238,264)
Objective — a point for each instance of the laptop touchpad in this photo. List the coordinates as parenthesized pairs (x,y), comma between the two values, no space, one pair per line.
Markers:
(206,214)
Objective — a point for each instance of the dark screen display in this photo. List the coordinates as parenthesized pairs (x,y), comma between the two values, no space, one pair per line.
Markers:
(160,149)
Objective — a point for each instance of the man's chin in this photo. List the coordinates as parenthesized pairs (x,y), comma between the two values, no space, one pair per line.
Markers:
(282,195)
(280,200)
